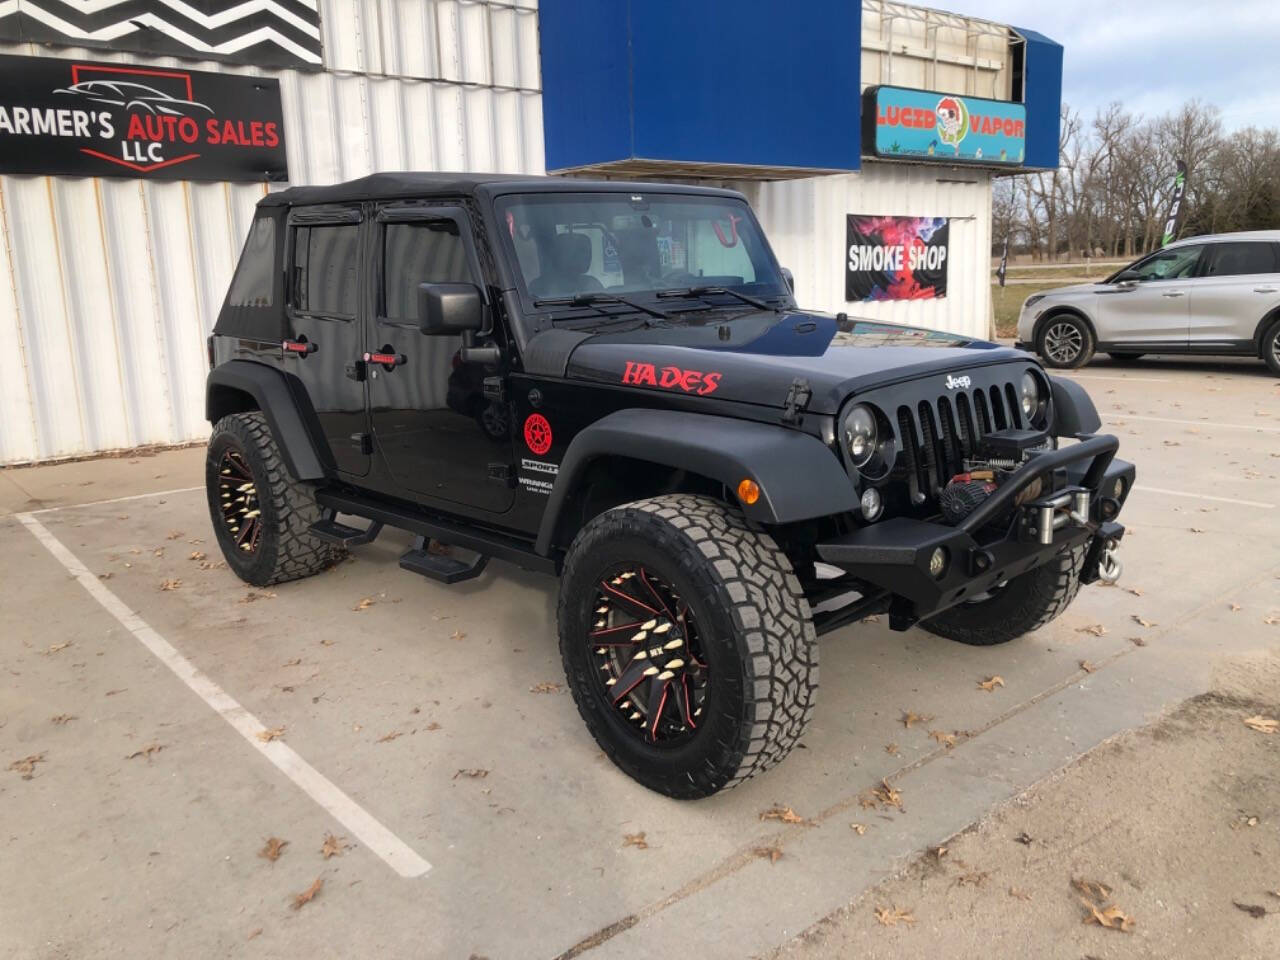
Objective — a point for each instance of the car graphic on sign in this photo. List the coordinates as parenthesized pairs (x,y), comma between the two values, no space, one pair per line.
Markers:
(130,95)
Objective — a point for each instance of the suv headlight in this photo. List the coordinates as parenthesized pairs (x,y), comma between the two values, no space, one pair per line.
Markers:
(860,435)
(1033,398)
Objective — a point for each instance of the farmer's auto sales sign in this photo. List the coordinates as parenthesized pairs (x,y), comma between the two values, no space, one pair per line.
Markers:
(81,119)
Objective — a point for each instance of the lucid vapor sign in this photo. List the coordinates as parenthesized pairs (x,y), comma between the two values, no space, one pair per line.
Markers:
(943,127)
(83,119)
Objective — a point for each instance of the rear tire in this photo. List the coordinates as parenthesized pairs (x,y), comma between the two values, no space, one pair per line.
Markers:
(280,544)
(1023,604)
(743,652)
(1271,348)
(1065,342)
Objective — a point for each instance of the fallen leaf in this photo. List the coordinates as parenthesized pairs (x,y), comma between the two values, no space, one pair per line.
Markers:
(307,895)
(254,933)
(174,535)
(438,549)
(333,846)
(1019,894)
(158,552)
(112,693)
(881,795)
(545,687)
(1271,620)
(910,718)
(27,765)
(1197,530)
(106,576)
(433,725)
(991,683)
(173,584)
(146,751)
(1093,889)
(295,662)
(1244,820)
(54,648)
(858,828)
(254,595)
(974,878)
(1024,838)
(892,916)
(388,737)
(271,851)
(1088,666)
(635,840)
(1234,607)
(938,852)
(1097,629)
(475,773)
(944,738)
(195,540)
(1138,641)
(213,565)
(364,604)
(891,749)
(786,815)
(1262,724)
(327,642)
(1144,623)
(272,733)
(774,853)
(457,635)
(1252,909)
(1113,918)
(1135,591)
(62,718)
(195,555)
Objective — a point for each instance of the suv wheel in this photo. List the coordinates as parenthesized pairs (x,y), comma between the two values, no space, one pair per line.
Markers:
(1018,606)
(261,515)
(1065,342)
(1271,348)
(687,643)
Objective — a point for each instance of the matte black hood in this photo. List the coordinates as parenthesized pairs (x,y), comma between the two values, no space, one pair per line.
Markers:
(754,357)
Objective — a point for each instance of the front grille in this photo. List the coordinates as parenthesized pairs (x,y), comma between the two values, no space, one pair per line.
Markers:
(938,436)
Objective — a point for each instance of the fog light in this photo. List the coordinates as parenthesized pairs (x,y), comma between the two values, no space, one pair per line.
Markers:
(1118,490)
(938,562)
(871,503)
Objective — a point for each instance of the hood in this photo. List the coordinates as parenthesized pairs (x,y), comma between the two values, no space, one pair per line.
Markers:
(1074,290)
(754,357)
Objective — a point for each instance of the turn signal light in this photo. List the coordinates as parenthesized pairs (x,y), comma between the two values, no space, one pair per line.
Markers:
(748,491)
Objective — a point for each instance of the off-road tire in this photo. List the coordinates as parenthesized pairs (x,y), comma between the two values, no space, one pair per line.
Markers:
(756,628)
(1087,342)
(287,550)
(1271,348)
(1025,603)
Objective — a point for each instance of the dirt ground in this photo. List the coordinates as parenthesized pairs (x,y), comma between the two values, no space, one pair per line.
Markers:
(1179,823)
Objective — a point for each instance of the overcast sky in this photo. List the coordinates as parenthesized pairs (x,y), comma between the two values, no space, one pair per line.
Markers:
(1154,56)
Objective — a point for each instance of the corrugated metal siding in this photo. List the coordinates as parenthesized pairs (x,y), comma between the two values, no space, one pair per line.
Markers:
(805,221)
(108,288)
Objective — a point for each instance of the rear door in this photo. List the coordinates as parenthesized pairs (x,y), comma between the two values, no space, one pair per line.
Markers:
(1152,309)
(324,281)
(1239,284)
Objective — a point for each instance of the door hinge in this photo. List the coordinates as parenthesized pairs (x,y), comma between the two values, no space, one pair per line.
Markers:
(798,396)
(495,389)
(362,442)
(502,473)
(357,370)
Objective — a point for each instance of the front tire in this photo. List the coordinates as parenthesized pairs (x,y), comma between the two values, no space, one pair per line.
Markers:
(1065,342)
(687,643)
(1023,604)
(1271,348)
(261,515)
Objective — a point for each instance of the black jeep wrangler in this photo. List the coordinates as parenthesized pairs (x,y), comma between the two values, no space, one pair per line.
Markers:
(611,382)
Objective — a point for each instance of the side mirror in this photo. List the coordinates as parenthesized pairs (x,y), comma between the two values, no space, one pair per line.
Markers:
(1126,278)
(446,308)
(790,277)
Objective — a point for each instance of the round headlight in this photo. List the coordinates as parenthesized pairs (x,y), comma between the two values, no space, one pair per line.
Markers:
(1030,395)
(860,434)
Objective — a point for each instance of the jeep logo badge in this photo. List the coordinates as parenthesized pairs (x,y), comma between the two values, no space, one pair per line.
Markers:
(958,382)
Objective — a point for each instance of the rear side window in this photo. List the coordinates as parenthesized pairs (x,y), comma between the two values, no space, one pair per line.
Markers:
(420,252)
(1239,259)
(325,278)
(252,284)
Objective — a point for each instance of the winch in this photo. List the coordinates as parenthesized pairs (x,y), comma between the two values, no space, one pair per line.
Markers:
(1001,453)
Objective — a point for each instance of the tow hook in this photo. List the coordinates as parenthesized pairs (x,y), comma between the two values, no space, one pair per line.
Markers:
(1109,566)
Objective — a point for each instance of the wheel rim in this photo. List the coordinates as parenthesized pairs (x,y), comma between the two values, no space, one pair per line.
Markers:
(1275,349)
(1063,342)
(238,502)
(645,646)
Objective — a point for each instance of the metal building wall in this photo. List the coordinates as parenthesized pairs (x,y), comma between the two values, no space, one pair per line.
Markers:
(805,221)
(108,287)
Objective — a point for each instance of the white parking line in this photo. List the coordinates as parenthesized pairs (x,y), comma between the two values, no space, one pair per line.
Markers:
(1099,376)
(98,503)
(1205,496)
(1121,415)
(377,838)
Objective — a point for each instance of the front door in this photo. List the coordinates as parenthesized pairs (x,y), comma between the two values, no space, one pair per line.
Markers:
(324,314)
(437,432)
(1149,307)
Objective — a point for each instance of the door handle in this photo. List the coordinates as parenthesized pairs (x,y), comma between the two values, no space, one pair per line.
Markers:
(1264,289)
(387,358)
(1173,293)
(302,347)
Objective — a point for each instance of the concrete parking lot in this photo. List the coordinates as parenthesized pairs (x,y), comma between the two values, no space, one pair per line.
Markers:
(173,721)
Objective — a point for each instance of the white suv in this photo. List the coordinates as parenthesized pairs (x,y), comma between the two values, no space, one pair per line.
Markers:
(1216,295)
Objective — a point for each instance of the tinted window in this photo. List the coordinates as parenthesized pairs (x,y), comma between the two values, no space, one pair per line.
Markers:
(251,286)
(1172,264)
(324,265)
(415,253)
(1236,259)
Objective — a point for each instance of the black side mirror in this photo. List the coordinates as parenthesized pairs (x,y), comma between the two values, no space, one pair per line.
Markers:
(790,277)
(446,308)
(1127,277)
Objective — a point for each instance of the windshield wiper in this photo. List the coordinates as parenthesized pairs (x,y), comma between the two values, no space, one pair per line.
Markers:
(593,299)
(703,292)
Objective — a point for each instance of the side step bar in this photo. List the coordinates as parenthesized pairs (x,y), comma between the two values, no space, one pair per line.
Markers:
(331,531)
(439,566)
(406,517)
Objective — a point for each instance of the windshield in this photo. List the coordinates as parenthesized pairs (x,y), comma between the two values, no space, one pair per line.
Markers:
(574,245)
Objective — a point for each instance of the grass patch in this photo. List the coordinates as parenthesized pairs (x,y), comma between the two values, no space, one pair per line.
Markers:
(1091,270)
(1007,301)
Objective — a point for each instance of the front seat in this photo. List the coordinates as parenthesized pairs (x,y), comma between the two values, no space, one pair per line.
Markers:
(567,264)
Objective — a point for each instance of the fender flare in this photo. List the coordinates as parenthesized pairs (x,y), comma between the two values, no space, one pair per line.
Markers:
(285,406)
(799,477)
(1073,409)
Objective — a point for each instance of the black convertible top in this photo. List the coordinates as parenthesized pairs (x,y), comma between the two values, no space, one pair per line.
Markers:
(385,186)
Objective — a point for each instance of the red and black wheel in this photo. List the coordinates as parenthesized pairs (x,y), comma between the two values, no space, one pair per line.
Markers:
(687,643)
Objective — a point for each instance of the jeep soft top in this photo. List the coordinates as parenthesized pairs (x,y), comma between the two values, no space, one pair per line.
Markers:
(612,382)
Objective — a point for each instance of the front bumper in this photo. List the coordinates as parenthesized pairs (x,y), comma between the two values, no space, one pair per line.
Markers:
(1000,539)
